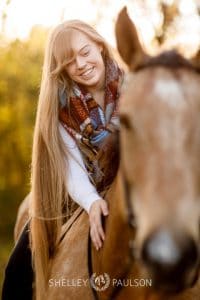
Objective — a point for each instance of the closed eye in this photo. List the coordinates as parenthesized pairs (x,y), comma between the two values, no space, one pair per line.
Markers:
(86,53)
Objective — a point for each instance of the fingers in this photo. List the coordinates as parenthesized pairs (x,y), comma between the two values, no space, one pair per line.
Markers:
(104,210)
(104,207)
(95,238)
(96,229)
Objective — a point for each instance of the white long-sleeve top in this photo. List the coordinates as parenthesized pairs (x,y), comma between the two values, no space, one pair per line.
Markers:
(80,189)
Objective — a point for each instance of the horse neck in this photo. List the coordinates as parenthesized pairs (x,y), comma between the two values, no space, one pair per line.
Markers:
(117,234)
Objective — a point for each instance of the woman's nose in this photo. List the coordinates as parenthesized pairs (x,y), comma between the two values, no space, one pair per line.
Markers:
(80,62)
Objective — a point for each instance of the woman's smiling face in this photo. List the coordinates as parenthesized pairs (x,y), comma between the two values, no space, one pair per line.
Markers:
(87,65)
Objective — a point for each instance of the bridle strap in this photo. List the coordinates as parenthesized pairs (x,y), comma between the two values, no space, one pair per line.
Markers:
(127,193)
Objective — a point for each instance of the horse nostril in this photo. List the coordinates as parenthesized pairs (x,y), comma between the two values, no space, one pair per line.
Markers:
(169,257)
(160,249)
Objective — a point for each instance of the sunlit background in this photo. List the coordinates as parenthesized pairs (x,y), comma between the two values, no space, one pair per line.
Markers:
(19,16)
(24,25)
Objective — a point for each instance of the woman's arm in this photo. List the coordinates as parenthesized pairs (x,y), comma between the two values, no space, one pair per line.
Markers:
(82,190)
(79,186)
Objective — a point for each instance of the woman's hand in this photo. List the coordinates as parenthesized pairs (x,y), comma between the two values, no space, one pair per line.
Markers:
(96,230)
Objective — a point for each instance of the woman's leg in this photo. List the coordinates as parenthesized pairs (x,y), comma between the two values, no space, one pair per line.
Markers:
(19,273)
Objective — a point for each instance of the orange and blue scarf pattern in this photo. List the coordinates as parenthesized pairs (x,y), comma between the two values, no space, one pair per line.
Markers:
(86,121)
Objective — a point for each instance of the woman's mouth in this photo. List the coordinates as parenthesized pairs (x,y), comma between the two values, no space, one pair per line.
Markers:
(86,74)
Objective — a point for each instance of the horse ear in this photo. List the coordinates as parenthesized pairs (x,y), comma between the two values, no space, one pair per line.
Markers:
(128,43)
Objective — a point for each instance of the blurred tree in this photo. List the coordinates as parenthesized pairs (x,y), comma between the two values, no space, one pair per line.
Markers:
(171,21)
(3,14)
(169,12)
(20,73)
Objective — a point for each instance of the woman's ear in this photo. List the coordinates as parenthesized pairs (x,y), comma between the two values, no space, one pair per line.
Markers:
(103,51)
(101,48)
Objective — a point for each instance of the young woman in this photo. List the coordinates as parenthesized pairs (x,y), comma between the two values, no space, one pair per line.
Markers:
(72,149)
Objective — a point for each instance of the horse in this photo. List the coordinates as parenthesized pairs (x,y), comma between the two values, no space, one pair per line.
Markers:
(151,249)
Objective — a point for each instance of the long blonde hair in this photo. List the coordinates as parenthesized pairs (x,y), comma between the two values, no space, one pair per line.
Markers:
(48,169)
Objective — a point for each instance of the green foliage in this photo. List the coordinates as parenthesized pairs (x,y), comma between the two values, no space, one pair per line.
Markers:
(20,75)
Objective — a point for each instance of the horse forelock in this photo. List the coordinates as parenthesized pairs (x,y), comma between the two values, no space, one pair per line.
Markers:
(168,59)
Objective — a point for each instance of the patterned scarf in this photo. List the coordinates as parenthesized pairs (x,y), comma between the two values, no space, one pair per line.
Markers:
(89,124)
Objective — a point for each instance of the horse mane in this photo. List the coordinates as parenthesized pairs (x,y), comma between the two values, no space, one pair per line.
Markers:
(168,59)
(110,151)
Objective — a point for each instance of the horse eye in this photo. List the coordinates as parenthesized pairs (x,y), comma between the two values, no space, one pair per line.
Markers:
(125,121)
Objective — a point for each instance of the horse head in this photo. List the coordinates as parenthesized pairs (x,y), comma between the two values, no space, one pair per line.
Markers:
(160,157)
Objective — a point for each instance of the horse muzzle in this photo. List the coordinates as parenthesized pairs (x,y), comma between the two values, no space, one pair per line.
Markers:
(171,260)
